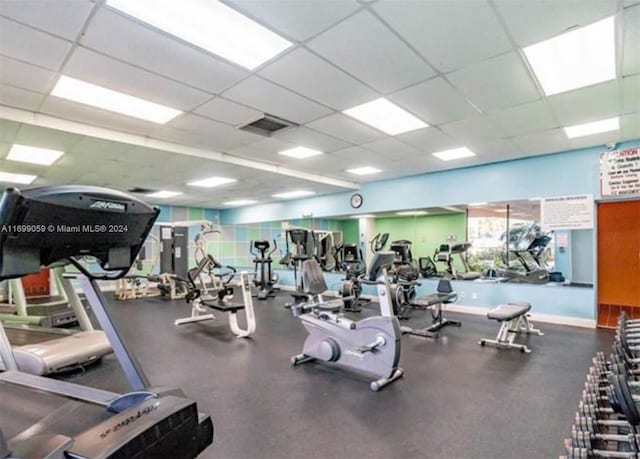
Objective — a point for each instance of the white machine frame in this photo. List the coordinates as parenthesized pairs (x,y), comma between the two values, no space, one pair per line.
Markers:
(509,329)
(201,310)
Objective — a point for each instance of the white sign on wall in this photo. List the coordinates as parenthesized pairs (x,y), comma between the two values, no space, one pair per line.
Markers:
(620,172)
(567,212)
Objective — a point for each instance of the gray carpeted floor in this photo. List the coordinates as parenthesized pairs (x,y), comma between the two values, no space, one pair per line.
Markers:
(456,400)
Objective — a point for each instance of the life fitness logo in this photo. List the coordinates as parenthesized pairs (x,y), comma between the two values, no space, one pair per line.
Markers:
(108,205)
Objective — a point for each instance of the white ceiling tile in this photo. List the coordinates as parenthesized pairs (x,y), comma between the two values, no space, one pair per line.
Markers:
(296,19)
(429,140)
(496,150)
(525,118)
(101,70)
(530,22)
(587,104)
(8,130)
(267,148)
(228,112)
(346,128)
(312,77)
(125,39)
(472,131)
(631,94)
(309,138)
(89,147)
(4,148)
(434,101)
(596,139)
(25,76)
(551,141)
(221,136)
(30,45)
(367,49)
(630,2)
(631,46)
(85,114)
(19,98)
(630,126)
(393,149)
(353,156)
(46,138)
(496,83)
(449,34)
(270,98)
(62,18)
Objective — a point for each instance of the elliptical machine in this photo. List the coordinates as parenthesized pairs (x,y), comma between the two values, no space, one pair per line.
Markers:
(352,262)
(264,278)
(303,241)
(370,345)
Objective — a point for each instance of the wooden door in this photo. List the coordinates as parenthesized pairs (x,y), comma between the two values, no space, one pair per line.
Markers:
(618,261)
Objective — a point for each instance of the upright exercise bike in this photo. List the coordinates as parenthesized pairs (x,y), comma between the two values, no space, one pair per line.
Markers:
(370,345)
(264,278)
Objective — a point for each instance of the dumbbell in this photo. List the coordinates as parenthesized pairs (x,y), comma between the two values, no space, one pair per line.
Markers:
(592,425)
(625,400)
(599,412)
(573,452)
(585,439)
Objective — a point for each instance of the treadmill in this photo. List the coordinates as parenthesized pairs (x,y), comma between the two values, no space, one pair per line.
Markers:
(42,417)
(42,351)
(40,311)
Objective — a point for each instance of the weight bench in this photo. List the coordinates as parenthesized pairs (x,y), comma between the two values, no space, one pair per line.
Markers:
(513,318)
(444,295)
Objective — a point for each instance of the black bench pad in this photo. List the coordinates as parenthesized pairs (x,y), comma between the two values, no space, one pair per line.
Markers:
(509,311)
(433,299)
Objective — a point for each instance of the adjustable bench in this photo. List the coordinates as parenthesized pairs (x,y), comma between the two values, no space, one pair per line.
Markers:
(444,295)
(514,320)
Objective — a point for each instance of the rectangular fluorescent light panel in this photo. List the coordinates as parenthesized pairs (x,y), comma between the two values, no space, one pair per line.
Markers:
(363,216)
(211,182)
(210,25)
(385,116)
(575,59)
(34,155)
(164,194)
(23,179)
(240,202)
(595,127)
(300,152)
(412,212)
(114,101)
(477,204)
(366,170)
(293,194)
(455,153)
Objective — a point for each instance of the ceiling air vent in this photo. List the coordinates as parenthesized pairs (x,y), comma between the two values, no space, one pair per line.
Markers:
(138,189)
(267,125)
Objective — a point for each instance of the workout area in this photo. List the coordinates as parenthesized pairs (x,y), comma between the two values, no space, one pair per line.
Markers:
(268,229)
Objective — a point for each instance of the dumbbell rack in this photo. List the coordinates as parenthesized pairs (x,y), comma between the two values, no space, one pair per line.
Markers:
(607,422)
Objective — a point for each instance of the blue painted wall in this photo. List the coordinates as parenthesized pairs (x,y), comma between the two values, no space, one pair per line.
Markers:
(572,172)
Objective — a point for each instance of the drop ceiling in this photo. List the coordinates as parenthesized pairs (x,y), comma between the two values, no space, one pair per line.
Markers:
(457,65)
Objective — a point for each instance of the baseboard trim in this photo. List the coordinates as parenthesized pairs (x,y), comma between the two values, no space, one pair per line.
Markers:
(481,311)
(544,318)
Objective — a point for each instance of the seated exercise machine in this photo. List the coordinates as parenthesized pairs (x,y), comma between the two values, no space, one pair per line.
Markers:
(513,321)
(370,345)
(434,302)
(67,420)
(218,297)
(264,278)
